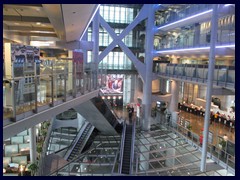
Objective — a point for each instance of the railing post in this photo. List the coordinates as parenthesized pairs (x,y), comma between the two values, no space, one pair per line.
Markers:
(52,86)
(35,87)
(65,85)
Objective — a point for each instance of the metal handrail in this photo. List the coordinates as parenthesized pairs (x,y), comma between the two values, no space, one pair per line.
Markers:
(122,147)
(115,161)
(108,105)
(132,144)
(73,143)
(73,160)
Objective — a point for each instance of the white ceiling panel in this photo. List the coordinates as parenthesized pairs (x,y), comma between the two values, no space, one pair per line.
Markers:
(76,18)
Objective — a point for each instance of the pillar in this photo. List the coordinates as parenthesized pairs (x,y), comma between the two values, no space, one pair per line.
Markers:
(211,66)
(196,38)
(163,84)
(173,106)
(33,148)
(95,38)
(70,69)
(147,89)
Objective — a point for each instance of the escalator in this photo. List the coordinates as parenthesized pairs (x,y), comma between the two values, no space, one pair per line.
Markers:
(100,115)
(126,159)
(81,142)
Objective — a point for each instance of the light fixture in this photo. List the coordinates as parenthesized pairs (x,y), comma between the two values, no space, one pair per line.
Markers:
(185,19)
(226,5)
(194,49)
(42,43)
(38,23)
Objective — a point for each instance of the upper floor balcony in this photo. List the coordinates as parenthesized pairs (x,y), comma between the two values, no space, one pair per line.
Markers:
(174,12)
(224,76)
(51,84)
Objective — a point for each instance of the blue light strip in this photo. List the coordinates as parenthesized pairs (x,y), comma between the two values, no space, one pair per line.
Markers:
(229,5)
(89,22)
(192,49)
(196,15)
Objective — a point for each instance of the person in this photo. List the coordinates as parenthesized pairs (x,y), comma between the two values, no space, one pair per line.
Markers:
(130,113)
(225,138)
(132,109)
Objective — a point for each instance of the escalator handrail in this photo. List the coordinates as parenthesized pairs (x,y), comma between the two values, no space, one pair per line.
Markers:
(73,160)
(74,142)
(122,147)
(84,141)
(132,145)
(108,105)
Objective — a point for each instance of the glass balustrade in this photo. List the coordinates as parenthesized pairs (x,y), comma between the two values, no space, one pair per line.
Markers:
(55,83)
(223,75)
(185,11)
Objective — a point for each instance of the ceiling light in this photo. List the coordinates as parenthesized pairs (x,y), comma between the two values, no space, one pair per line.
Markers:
(192,49)
(185,19)
(38,23)
(42,43)
(229,5)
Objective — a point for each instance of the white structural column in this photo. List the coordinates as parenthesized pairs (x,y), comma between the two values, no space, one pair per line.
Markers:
(163,84)
(95,39)
(196,38)
(147,88)
(85,56)
(32,136)
(173,106)
(214,24)
(70,69)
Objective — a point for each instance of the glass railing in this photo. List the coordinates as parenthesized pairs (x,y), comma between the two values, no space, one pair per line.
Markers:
(222,152)
(118,66)
(186,11)
(223,75)
(55,83)
(224,37)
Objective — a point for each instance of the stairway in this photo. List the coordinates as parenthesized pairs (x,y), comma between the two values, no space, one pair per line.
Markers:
(126,159)
(81,142)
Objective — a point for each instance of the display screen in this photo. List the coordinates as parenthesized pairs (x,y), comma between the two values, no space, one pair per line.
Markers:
(114,84)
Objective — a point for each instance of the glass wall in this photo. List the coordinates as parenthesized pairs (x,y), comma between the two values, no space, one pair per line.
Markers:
(115,14)
(116,60)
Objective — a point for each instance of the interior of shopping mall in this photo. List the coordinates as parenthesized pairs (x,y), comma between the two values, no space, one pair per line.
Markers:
(119,90)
